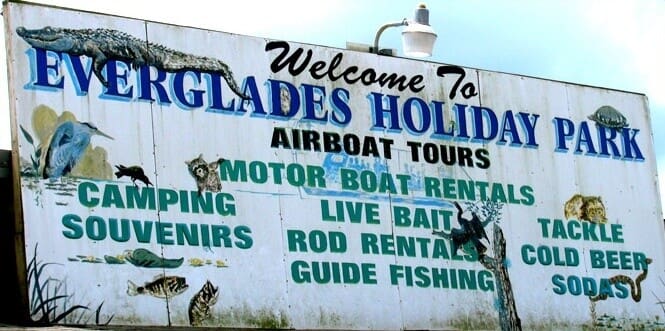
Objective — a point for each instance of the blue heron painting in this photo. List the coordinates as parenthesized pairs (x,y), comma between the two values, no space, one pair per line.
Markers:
(67,146)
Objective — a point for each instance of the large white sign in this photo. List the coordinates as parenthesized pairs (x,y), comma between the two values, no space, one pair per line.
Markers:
(175,176)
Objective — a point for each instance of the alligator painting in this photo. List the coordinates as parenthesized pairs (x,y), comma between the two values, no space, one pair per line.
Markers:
(103,45)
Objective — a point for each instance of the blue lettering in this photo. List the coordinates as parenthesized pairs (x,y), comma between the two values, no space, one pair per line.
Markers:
(379,112)
(460,122)
(564,130)
(509,127)
(290,93)
(255,98)
(146,85)
(606,141)
(439,122)
(482,115)
(423,114)
(215,96)
(45,73)
(529,127)
(341,114)
(192,98)
(117,88)
(629,144)
(314,96)
(255,102)
(81,73)
(584,138)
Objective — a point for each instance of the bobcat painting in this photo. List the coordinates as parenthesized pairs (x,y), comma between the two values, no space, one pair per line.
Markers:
(205,174)
(586,208)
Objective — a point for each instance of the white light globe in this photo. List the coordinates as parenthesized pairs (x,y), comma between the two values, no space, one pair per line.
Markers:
(418,40)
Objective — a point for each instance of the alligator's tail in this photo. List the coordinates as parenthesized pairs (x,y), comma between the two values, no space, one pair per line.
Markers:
(228,77)
(209,65)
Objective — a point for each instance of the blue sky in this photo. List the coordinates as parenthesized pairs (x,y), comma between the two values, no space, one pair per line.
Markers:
(611,44)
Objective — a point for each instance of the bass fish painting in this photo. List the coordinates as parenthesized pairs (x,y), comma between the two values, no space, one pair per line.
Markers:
(162,287)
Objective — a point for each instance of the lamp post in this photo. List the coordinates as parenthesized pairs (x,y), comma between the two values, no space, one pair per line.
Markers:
(418,37)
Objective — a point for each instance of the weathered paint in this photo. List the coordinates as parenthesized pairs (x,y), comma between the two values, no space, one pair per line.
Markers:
(337,199)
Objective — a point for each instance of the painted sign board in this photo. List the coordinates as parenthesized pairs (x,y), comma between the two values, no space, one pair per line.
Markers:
(178,176)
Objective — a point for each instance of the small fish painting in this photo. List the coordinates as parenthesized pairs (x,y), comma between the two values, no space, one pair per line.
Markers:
(162,287)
